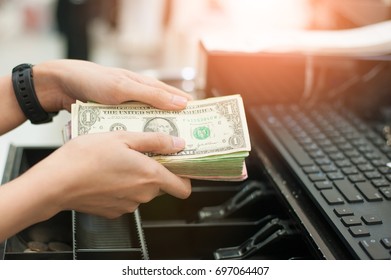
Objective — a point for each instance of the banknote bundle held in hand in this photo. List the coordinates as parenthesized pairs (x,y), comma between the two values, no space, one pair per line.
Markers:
(215,131)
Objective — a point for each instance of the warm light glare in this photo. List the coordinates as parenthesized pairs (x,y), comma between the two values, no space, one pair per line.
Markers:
(265,14)
(188,73)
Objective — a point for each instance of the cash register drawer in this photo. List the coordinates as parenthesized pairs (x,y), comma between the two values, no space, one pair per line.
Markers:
(220,220)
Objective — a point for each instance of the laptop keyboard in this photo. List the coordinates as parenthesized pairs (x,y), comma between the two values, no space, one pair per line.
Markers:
(341,162)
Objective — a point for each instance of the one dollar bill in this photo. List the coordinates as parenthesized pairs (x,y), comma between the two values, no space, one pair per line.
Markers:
(215,131)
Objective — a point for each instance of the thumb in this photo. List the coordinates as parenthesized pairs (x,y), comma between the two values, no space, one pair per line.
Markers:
(154,142)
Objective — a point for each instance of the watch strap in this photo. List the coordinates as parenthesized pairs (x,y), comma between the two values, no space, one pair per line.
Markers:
(22,81)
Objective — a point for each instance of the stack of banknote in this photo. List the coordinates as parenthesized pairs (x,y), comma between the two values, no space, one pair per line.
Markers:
(215,131)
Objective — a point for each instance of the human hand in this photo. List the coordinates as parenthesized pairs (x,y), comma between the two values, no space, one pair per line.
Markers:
(59,83)
(107,174)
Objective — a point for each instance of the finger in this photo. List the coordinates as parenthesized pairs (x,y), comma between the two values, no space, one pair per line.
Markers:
(171,184)
(158,97)
(176,186)
(163,144)
(166,181)
(153,142)
(159,84)
(153,92)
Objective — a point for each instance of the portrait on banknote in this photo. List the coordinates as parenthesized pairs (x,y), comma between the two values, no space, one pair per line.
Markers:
(159,124)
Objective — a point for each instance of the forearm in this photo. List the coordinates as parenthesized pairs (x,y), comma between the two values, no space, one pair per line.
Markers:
(25,201)
(11,114)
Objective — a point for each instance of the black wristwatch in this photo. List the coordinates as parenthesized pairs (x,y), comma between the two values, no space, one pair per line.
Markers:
(22,81)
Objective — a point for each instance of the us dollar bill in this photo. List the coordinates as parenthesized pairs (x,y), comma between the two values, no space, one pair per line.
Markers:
(213,126)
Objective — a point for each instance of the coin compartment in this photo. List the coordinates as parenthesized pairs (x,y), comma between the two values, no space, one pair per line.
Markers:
(51,239)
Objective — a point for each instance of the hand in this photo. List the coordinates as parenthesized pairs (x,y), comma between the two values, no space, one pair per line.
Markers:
(59,83)
(106,174)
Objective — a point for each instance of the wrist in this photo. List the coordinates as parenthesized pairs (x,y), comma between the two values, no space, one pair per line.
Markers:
(54,85)
(47,86)
(24,89)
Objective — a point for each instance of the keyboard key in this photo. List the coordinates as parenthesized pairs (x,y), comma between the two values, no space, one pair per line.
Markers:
(369,191)
(374,250)
(316,154)
(337,156)
(371,220)
(319,136)
(305,141)
(332,197)
(350,170)
(329,168)
(310,147)
(317,177)
(343,163)
(359,160)
(311,169)
(381,164)
(372,156)
(348,190)
(352,154)
(327,146)
(385,148)
(296,151)
(359,142)
(346,147)
(365,167)
(324,185)
(330,149)
(353,136)
(386,241)
(373,175)
(322,161)
(339,140)
(343,211)
(357,178)
(365,149)
(380,183)
(350,221)
(386,192)
(335,176)
(359,231)
(378,141)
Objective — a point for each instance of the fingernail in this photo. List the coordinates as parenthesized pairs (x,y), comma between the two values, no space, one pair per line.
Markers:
(179,100)
(178,142)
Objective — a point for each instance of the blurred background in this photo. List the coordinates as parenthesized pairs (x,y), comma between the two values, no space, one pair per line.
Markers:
(135,34)
(157,34)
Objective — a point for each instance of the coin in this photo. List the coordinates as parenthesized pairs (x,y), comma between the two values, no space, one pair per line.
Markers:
(37,246)
(28,250)
(59,246)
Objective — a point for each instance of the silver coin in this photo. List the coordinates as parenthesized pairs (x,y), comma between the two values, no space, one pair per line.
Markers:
(37,246)
(28,250)
(59,246)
